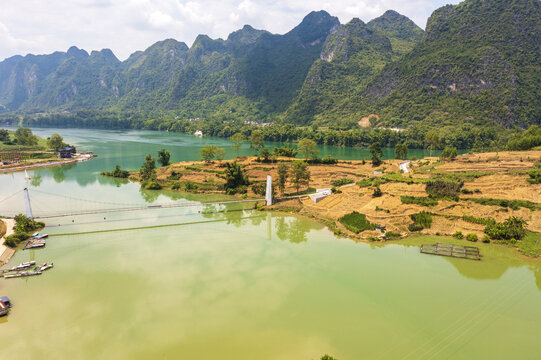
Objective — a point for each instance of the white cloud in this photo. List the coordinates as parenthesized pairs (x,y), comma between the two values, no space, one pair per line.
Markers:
(36,26)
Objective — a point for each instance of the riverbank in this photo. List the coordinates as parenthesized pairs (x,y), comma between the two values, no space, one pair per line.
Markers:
(488,187)
(6,253)
(39,164)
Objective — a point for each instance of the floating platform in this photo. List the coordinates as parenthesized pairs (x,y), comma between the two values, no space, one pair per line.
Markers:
(457,251)
(33,244)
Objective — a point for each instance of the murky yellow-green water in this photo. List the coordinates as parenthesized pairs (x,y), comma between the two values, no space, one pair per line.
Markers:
(250,285)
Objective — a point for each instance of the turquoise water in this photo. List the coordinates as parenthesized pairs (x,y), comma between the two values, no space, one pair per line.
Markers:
(227,282)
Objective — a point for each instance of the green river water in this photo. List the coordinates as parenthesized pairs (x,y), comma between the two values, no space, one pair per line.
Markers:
(231,283)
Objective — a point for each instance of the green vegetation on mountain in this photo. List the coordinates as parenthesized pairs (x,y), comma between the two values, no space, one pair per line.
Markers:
(475,75)
(479,63)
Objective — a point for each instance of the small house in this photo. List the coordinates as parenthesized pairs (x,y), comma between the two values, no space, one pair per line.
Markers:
(65,153)
(198,133)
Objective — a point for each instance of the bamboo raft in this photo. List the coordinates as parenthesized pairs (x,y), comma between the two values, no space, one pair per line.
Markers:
(457,251)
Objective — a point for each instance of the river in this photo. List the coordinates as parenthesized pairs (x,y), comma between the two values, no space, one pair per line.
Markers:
(208,282)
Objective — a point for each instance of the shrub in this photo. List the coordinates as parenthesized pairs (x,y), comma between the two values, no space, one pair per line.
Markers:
(365,182)
(342,182)
(10,242)
(466,191)
(176,186)
(449,153)
(535,175)
(513,204)
(377,192)
(190,186)
(117,173)
(285,151)
(458,235)
(392,235)
(14,239)
(335,190)
(153,185)
(329,160)
(422,220)
(486,239)
(512,228)
(475,220)
(423,201)
(440,189)
(259,189)
(356,222)
(235,177)
(415,227)
(472,237)
(174,175)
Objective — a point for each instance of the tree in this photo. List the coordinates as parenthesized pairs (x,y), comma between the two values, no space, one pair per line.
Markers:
(117,173)
(401,151)
(376,154)
(23,224)
(148,169)
(163,157)
(208,152)
(25,137)
(433,140)
(257,142)
(308,147)
(235,176)
(237,140)
(266,155)
(55,142)
(220,153)
(283,173)
(449,153)
(4,136)
(300,173)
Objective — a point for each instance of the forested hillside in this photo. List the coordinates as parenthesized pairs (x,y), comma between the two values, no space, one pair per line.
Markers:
(478,64)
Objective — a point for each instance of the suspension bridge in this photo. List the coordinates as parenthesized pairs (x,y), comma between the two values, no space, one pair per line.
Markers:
(45,205)
(79,206)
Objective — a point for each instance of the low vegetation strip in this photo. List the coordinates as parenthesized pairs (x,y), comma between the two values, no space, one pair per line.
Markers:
(422,220)
(356,222)
(423,201)
(342,182)
(513,204)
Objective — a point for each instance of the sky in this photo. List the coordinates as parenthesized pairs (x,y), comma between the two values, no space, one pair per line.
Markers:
(125,26)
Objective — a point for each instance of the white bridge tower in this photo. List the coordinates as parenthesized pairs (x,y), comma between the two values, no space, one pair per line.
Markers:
(268,193)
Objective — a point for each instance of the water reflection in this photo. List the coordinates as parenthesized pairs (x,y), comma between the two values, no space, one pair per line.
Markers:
(36,180)
(149,196)
(294,229)
(59,172)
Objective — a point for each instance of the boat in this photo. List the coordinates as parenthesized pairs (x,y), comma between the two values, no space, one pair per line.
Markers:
(30,273)
(4,308)
(46,267)
(22,266)
(6,301)
(31,244)
(39,237)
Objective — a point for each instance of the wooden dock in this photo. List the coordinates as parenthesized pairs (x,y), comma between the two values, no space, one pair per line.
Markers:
(457,251)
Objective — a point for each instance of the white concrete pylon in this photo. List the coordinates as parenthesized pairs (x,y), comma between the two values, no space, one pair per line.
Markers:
(268,193)
(27,203)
